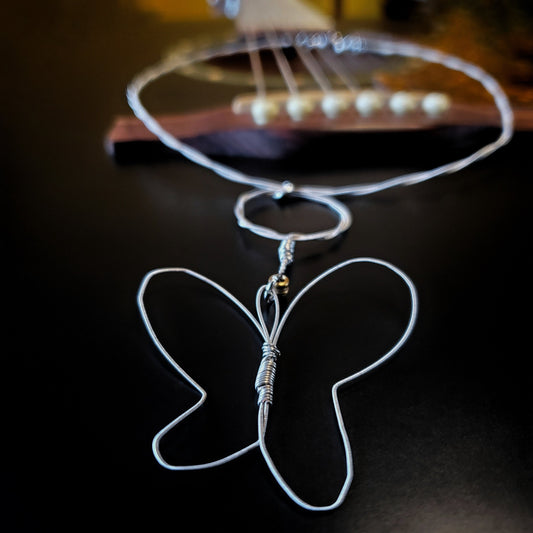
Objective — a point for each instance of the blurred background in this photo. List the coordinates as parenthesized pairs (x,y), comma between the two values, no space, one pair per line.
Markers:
(497,34)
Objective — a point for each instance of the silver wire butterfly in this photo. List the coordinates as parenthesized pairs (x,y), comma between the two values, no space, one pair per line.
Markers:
(266,373)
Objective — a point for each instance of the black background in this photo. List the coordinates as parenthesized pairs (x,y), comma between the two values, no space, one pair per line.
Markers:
(442,435)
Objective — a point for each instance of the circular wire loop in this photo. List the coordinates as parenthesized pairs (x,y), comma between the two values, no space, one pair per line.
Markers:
(348,44)
(341,211)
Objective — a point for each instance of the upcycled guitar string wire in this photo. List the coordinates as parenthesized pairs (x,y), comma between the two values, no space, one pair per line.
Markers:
(265,376)
(277,285)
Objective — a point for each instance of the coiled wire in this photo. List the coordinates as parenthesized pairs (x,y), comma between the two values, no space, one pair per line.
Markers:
(285,254)
(264,382)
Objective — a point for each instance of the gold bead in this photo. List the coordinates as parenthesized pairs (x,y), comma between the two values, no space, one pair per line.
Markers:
(280,283)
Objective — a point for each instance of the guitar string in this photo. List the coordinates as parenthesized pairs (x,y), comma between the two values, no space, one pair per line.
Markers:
(350,43)
(270,338)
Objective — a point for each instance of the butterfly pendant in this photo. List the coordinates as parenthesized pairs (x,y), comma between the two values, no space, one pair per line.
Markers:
(266,297)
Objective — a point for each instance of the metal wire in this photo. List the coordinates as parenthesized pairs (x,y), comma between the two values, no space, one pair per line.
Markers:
(264,382)
(349,44)
(267,369)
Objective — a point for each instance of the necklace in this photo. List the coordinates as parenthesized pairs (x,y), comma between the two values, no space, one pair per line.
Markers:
(277,286)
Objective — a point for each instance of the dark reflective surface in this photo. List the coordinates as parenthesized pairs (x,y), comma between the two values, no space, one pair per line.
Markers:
(442,435)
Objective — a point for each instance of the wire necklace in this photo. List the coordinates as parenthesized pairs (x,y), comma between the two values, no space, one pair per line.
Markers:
(277,285)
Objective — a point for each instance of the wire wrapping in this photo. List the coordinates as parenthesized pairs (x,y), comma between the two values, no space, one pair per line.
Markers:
(264,382)
(285,254)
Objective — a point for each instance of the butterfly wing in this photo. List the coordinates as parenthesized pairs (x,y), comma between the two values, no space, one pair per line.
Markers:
(343,337)
(190,326)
